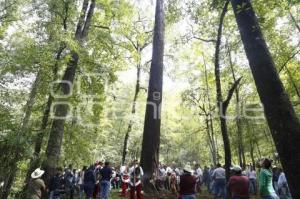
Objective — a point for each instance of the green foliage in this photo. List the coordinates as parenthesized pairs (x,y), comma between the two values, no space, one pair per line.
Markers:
(32,32)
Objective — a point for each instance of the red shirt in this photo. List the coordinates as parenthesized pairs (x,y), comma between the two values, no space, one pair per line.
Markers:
(239,186)
(187,184)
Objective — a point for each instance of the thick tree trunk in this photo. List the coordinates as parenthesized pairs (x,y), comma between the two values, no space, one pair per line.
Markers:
(151,135)
(281,116)
(23,129)
(221,105)
(53,149)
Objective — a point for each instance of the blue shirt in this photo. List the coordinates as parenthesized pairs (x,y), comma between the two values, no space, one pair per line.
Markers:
(106,173)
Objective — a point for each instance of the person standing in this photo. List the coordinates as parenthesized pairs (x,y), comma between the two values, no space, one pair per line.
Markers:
(136,172)
(238,184)
(89,181)
(56,185)
(283,187)
(125,182)
(36,185)
(106,174)
(252,179)
(81,182)
(219,178)
(187,184)
(266,188)
(199,177)
(206,177)
(211,185)
(276,174)
(98,167)
(70,180)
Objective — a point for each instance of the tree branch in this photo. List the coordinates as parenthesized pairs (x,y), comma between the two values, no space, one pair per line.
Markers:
(102,27)
(287,61)
(88,20)
(230,93)
(205,40)
(294,20)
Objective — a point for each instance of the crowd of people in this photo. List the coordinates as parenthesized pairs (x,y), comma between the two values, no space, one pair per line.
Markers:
(97,180)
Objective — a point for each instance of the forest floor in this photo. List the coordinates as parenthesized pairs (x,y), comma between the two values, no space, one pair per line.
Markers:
(115,195)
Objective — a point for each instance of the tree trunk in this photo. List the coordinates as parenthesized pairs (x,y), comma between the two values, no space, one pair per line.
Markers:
(221,105)
(210,120)
(210,141)
(151,135)
(53,149)
(133,110)
(240,142)
(280,114)
(23,129)
(35,160)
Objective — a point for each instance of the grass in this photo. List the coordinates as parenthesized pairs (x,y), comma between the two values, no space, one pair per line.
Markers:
(115,195)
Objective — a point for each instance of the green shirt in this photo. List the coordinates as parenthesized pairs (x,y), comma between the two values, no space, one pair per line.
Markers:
(265,183)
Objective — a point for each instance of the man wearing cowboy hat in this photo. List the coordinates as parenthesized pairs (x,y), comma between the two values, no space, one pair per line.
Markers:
(187,183)
(36,184)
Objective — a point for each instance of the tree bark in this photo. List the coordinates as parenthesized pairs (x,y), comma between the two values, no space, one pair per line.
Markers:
(53,149)
(280,114)
(240,142)
(151,135)
(222,106)
(35,160)
(210,120)
(133,110)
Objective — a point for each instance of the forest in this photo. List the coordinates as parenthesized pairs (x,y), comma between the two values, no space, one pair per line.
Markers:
(158,81)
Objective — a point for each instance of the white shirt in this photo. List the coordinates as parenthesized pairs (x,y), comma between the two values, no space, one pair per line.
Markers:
(199,172)
(252,175)
(282,180)
(122,169)
(219,173)
(169,170)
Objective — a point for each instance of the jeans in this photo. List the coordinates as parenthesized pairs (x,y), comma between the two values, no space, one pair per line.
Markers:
(105,188)
(253,186)
(88,190)
(220,186)
(80,191)
(273,196)
(54,195)
(192,196)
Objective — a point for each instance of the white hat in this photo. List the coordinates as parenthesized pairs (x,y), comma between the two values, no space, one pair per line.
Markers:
(237,168)
(188,168)
(37,173)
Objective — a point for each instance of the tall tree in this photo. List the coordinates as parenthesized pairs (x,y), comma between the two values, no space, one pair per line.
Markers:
(209,119)
(57,129)
(223,105)
(279,112)
(35,160)
(240,140)
(138,47)
(151,135)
